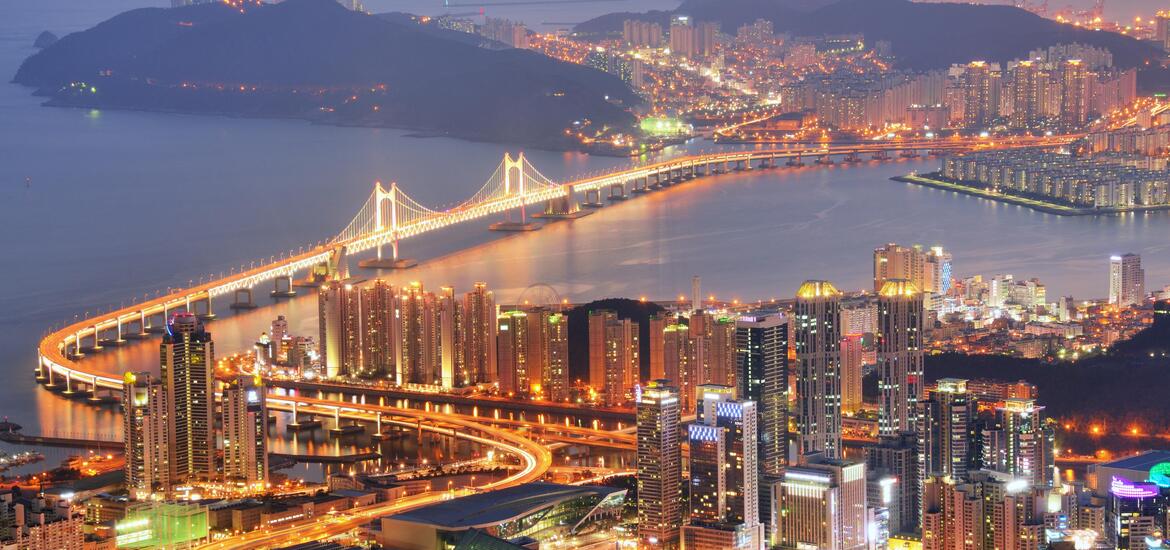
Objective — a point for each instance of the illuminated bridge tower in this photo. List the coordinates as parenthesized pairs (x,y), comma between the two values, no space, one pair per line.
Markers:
(388,218)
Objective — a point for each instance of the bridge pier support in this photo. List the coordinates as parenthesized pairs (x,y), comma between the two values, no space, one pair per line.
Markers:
(97,343)
(68,384)
(205,312)
(880,155)
(282,287)
(243,299)
(119,336)
(617,192)
(795,162)
(393,262)
(825,160)
(379,434)
(592,198)
(161,327)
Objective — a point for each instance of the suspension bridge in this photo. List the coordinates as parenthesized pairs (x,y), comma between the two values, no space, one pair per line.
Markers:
(389,216)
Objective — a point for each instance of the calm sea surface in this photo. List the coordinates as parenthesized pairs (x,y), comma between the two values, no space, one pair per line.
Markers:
(97,207)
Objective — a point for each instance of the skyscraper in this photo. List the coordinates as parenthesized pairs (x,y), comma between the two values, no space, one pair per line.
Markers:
(145,426)
(555,364)
(1074,106)
(893,458)
(851,373)
(681,362)
(944,424)
(339,312)
(377,331)
(1021,443)
(900,355)
(452,338)
(186,356)
(1026,106)
(939,271)
(724,488)
(817,339)
(613,356)
(418,338)
(479,311)
(245,431)
(822,504)
(659,466)
(762,377)
(1127,280)
(658,324)
(894,261)
(979,106)
(512,346)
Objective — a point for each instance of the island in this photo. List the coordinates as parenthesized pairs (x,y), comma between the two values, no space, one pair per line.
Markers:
(317,61)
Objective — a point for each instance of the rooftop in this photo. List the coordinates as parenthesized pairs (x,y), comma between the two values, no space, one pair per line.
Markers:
(499,506)
(1144,461)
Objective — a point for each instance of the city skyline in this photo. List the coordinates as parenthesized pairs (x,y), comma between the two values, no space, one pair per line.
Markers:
(722,275)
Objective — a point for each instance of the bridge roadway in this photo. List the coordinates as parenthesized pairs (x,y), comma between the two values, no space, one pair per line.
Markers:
(623,438)
(59,350)
(535,458)
(390,394)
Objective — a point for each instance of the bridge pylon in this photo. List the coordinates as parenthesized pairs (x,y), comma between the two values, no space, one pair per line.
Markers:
(517,187)
(386,219)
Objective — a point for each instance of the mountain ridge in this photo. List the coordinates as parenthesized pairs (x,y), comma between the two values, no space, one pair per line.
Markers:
(314,59)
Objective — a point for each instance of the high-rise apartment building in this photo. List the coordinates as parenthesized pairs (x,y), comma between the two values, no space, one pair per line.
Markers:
(641,33)
(479,320)
(146,434)
(979,104)
(988,510)
(548,331)
(1127,280)
(377,331)
(512,347)
(891,461)
(1021,443)
(659,466)
(852,354)
(692,39)
(613,356)
(339,311)
(681,362)
(418,340)
(452,337)
(186,358)
(245,432)
(939,272)
(1074,84)
(658,324)
(762,377)
(900,355)
(724,488)
(945,421)
(1026,95)
(894,261)
(817,339)
(821,504)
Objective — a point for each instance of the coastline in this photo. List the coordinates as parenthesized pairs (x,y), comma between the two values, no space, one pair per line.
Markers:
(1038,205)
(411,131)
